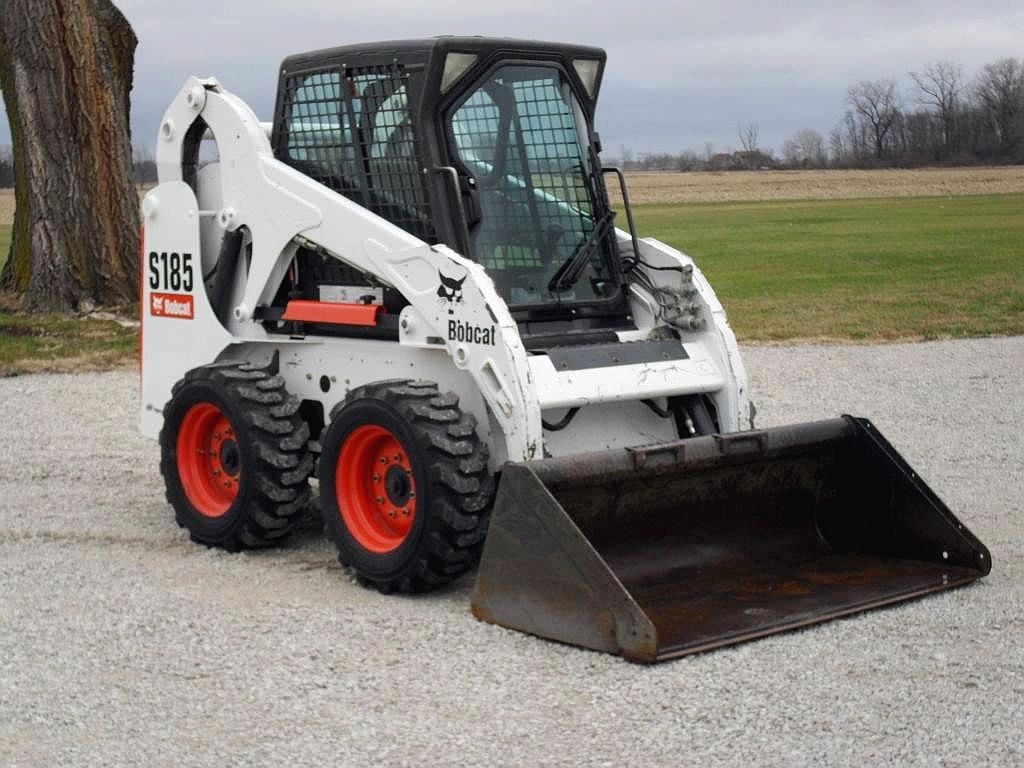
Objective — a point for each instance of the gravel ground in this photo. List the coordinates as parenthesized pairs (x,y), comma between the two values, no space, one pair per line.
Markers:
(123,644)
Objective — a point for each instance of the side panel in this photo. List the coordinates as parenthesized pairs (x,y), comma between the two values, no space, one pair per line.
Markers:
(179,328)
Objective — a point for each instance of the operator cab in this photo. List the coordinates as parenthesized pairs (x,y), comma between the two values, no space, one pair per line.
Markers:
(485,145)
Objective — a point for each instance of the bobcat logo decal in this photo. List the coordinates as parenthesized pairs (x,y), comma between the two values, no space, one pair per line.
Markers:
(450,292)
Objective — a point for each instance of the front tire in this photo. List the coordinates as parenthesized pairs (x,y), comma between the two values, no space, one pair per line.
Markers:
(404,486)
(234,456)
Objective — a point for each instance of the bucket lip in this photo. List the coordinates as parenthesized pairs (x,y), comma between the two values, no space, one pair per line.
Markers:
(670,652)
(693,452)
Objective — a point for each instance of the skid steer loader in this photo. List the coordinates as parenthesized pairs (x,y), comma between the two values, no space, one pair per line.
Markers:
(411,288)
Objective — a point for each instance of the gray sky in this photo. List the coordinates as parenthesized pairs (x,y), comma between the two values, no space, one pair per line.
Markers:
(679,74)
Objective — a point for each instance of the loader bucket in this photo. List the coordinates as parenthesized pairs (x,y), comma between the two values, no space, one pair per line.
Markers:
(658,552)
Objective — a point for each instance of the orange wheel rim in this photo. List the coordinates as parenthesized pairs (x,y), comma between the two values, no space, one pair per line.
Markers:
(209,461)
(375,489)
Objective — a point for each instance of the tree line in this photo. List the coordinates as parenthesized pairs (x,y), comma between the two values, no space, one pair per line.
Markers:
(6,168)
(944,117)
(143,167)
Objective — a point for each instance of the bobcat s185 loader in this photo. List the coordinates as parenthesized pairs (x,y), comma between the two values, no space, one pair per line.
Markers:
(411,287)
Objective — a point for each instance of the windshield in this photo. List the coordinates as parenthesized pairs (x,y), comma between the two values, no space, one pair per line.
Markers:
(522,136)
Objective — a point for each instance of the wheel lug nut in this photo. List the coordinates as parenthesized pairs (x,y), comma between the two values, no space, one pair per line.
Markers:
(380,499)
(391,514)
(398,457)
(383,459)
(376,478)
(405,512)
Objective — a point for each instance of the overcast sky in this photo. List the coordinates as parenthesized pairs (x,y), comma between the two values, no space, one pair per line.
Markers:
(679,75)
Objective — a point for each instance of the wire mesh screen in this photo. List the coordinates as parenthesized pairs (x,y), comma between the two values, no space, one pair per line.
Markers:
(354,132)
(317,130)
(521,136)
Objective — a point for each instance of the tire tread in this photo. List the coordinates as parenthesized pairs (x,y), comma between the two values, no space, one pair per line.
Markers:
(278,438)
(457,467)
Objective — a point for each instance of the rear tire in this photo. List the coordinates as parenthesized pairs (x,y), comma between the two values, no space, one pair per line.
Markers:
(234,456)
(404,487)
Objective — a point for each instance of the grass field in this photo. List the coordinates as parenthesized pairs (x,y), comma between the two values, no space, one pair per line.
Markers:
(33,343)
(53,344)
(856,255)
(857,269)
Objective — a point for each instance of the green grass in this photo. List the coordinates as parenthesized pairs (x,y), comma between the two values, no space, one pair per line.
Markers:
(54,343)
(32,343)
(932,267)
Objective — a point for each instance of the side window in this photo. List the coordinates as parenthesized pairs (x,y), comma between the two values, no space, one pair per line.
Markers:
(475,126)
(392,126)
(318,128)
(352,130)
(394,170)
(523,136)
(551,137)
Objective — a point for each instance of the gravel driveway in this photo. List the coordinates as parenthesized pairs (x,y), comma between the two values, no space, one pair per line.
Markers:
(121,643)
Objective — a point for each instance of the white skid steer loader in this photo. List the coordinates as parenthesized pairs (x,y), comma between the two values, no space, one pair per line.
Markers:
(411,287)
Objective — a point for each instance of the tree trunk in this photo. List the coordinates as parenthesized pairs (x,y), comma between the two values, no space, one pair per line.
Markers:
(66,73)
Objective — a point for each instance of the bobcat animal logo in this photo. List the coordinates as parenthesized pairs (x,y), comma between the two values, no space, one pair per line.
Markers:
(450,291)
(158,304)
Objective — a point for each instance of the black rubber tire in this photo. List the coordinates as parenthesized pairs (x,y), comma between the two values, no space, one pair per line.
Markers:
(272,449)
(449,469)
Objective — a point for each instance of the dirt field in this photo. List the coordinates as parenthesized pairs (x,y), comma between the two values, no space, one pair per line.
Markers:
(6,207)
(668,187)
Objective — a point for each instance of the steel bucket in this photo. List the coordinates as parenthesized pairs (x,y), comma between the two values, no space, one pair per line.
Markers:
(658,552)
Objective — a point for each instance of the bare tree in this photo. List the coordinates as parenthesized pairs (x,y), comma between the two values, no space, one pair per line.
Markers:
(855,143)
(687,160)
(66,72)
(805,150)
(6,168)
(748,133)
(875,103)
(940,85)
(922,136)
(839,148)
(999,89)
